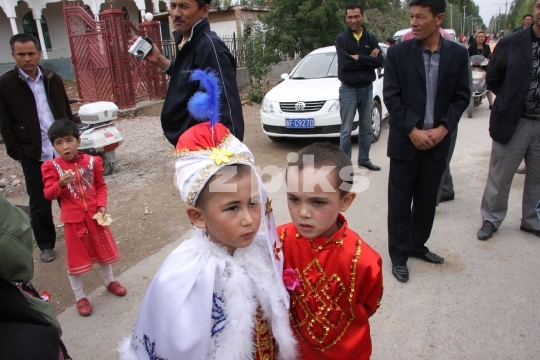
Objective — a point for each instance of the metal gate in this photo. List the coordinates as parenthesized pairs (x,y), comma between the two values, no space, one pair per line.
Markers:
(104,70)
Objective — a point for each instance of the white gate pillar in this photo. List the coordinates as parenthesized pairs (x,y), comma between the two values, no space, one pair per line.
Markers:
(37,19)
(13,22)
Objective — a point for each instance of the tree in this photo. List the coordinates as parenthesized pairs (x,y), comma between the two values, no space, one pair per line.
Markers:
(454,16)
(517,12)
(301,26)
(257,57)
(384,24)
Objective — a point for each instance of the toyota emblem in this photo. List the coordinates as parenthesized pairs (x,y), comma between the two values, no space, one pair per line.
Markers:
(300,106)
(106,112)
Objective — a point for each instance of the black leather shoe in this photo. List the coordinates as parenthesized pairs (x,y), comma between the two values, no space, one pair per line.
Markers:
(486,231)
(401,273)
(532,231)
(47,255)
(370,166)
(430,257)
(447,198)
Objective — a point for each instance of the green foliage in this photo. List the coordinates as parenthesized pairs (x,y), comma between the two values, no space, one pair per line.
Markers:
(517,12)
(385,23)
(297,27)
(256,95)
(300,26)
(257,57)
(454,17)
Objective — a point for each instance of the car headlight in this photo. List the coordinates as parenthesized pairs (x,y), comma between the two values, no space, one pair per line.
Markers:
(267,106)
(334,107)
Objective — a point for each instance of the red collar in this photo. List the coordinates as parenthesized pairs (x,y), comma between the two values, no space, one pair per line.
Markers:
(320,242)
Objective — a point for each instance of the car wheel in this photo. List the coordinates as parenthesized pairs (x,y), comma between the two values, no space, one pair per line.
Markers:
(276,138)
(376,120)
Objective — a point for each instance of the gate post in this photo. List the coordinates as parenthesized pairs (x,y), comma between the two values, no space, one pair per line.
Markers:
(117,41)
(156,77)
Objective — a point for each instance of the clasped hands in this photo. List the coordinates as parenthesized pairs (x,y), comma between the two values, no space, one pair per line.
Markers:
(427,139)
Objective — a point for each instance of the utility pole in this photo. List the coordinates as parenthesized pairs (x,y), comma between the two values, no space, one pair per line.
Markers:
(463,25)
(499,22)
(451,21)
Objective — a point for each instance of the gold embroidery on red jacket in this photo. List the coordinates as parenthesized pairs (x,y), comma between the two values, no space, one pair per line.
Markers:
(265,347)
(317,302)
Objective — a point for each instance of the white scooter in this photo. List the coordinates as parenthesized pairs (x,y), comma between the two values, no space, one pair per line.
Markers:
(479,85)
(98,134)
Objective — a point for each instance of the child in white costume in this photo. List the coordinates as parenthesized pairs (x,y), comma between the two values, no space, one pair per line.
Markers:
(220,294)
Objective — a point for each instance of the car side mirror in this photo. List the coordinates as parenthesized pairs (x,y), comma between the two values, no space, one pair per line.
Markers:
(284,76)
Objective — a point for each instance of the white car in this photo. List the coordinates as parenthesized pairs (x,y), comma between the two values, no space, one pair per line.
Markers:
(399,34)
(306,103)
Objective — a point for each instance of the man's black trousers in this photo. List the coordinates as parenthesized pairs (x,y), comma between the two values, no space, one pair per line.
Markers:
(41,216)
(412,199)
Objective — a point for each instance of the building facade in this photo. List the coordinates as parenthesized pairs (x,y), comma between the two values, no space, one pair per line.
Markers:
(45,20)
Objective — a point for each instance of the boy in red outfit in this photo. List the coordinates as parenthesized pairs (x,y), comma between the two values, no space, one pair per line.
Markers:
(334,278)
(77,179)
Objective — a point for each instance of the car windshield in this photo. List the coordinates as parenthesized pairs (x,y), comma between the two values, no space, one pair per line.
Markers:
(317,66)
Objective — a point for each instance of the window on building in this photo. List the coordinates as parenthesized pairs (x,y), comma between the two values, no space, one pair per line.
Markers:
(29,27)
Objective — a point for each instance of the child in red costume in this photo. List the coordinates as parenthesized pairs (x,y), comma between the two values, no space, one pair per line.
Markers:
(334,278)
(77,179)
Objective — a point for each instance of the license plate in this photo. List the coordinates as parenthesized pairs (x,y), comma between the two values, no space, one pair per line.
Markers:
(307,123)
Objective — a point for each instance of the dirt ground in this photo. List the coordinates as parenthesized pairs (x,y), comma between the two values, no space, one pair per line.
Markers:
(143,177)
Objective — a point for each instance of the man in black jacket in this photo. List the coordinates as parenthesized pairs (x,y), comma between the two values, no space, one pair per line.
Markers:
(472,38)
(426,89)
(31,99)
(527,21)
(358,55)
(514,125)
(198,48)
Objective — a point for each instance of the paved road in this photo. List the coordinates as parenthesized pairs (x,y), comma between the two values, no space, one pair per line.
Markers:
(483,303)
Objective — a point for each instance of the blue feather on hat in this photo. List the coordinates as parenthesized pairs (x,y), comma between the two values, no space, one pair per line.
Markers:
(204,105)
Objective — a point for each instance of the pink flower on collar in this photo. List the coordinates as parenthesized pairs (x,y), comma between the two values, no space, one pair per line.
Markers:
(291,279)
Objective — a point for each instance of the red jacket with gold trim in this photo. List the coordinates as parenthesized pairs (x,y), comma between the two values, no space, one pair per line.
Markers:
(86,191)
(341,287)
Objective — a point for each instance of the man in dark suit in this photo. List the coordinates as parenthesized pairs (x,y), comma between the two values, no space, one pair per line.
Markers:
(426,89)
(514,76)
(472,38)
(527,21)
(31,99)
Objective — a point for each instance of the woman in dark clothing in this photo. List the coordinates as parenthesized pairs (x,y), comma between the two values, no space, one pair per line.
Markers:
(480,47)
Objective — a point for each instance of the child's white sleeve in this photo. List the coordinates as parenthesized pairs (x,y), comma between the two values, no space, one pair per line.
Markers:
(175,319)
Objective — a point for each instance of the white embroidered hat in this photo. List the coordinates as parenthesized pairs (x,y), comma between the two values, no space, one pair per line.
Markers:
(209,146)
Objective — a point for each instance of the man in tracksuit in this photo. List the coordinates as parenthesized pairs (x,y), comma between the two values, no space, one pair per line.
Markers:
(198,48)
(358,56)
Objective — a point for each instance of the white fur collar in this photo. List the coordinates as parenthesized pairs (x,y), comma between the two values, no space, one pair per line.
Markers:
(247,280)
